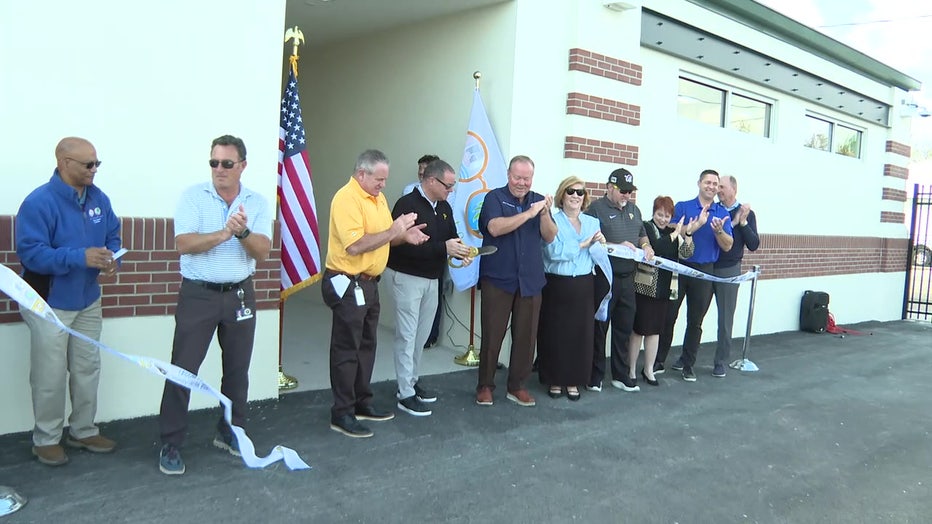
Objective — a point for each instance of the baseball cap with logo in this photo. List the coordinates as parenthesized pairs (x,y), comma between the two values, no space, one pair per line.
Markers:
(622,179)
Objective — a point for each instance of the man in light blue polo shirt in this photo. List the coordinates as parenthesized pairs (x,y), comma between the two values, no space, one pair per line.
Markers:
(221,230)
(710,228)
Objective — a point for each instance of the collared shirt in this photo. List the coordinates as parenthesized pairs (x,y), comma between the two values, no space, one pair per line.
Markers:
(201,210)
(563,256)
(420,190)
(707,250)
(353,214)
(619,224)
(518,264)
(410,187)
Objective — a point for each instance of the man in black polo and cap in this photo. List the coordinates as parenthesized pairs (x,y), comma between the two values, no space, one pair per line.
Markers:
(621,224)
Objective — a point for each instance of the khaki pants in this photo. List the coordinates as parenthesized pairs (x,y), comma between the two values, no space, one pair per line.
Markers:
(55,356)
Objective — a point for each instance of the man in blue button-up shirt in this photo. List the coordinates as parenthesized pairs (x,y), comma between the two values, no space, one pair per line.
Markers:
(515,220)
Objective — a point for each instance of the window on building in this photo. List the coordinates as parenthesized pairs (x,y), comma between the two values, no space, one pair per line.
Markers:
(826,134)
(722,106)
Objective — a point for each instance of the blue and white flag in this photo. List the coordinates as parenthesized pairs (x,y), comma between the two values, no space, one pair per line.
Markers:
(483,169)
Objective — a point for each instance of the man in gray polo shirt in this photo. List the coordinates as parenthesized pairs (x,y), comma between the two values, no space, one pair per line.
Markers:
(621,224)
(221,230)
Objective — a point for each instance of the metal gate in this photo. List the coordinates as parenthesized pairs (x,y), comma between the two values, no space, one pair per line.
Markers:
(917,303)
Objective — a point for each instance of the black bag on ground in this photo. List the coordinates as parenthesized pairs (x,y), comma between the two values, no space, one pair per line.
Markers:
(813,312)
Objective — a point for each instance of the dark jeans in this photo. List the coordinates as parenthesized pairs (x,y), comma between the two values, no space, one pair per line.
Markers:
(698,296)
(621,309)
(352,344)
(199,314)
(496,308)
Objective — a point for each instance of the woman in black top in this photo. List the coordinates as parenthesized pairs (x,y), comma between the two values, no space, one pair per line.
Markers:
(653,288)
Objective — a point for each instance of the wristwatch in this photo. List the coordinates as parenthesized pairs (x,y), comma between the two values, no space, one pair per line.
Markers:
(244,234)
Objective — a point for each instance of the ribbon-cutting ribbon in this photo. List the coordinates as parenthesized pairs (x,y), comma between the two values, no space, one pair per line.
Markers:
(27,298)
(621,251)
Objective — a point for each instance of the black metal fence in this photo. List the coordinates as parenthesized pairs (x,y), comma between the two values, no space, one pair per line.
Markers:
(917,303)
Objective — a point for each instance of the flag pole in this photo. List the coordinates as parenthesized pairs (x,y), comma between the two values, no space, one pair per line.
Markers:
(287,382)
(471,356)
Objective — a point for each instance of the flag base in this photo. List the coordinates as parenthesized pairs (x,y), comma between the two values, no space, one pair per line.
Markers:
(286,382)
(470,358)
(10,501)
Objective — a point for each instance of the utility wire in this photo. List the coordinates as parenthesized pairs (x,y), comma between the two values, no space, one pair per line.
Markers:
(869,22)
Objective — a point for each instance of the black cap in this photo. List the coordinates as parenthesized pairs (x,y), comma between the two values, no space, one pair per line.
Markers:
(622,179)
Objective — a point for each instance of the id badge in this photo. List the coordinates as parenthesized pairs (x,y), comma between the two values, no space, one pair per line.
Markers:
(243,313)
(360,297)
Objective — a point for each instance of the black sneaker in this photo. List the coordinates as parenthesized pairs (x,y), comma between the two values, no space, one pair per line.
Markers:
(425,395)
(627,384)
(414,406)
(371,413)
(658,368)
(718,371)
(227,442)
(349,426)
(678,365)
(688,374)
(170,461)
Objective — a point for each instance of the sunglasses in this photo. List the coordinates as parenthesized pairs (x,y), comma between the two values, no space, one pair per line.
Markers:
(227,164)
(622,191)
(578,192)
(89,165)
(444,184)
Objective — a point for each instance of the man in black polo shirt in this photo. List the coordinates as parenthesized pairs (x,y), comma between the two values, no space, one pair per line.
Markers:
(416,270)
(621,224)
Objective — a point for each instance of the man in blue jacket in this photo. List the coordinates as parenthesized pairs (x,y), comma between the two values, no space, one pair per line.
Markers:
(66,235)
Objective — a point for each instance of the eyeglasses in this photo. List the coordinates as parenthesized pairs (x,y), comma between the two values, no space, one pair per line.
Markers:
(227,164)
(445,185)
(622,191)
(89,165)
(578,192)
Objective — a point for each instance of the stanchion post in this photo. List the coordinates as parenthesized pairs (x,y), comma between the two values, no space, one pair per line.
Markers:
(743,364)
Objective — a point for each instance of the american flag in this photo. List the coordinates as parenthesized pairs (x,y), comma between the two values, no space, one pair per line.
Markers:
(297,209)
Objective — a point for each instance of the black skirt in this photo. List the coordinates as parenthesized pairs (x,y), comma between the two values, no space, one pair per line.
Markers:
(565,331)
(650,315)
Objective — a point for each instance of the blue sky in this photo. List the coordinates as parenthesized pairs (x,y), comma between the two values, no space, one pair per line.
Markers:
(896,32)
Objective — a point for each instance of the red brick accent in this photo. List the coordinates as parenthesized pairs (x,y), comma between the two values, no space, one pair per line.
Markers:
(895,171)
(897,195)
(148,280)
(794,256)
(600,151)
(892,217)
(606,66)
(602,108)
(898,148)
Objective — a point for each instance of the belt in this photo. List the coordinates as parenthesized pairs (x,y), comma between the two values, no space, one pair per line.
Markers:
(361,276)
(221,287)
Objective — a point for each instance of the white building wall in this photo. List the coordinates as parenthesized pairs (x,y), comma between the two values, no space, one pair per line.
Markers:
(150,85)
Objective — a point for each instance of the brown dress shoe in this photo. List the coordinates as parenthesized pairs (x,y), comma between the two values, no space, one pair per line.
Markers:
(484,396)
(96,444)
(522,398)
(53,455)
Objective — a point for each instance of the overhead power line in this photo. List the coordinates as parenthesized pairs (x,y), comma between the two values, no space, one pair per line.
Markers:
(869,22)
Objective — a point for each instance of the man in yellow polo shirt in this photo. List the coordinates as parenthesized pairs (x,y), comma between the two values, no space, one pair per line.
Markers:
(361,231)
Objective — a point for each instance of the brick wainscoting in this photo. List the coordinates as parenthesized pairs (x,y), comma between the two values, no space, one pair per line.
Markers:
(148,280)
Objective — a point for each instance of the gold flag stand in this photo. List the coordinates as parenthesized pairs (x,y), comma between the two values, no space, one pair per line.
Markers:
(471,357)
(287,382)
